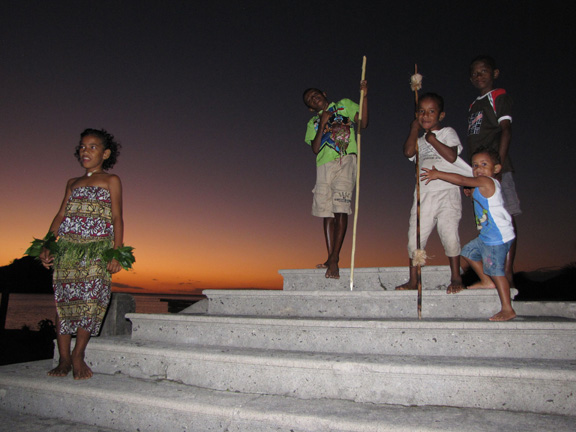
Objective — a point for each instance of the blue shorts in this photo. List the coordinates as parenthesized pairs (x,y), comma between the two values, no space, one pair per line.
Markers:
(493,257)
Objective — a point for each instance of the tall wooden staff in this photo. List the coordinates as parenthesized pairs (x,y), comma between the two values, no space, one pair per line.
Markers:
(358,138)
(419,257)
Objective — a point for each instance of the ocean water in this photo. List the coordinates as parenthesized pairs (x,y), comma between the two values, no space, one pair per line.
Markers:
(30,309)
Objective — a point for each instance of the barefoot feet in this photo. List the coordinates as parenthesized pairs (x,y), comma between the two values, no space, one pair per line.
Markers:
(408,286)
(80,369)
(455,287)
(63,369)
(504,315)
(332,271)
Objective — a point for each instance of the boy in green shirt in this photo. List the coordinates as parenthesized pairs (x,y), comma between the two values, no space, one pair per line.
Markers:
(331,135)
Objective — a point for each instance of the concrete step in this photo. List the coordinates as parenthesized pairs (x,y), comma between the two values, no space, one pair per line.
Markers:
(126,404)
(520,338)
(538,386)
(480,304)
(375,281)
(365,279)
(26,422)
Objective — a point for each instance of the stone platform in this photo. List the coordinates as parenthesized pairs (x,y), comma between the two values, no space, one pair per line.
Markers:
(365,279)
(345,304)
(317,357)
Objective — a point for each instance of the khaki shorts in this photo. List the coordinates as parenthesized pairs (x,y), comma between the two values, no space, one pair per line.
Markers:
(335,183)
(443,210)
(509,195)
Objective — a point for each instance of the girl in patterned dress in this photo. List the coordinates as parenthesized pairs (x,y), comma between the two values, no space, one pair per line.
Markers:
(88,223)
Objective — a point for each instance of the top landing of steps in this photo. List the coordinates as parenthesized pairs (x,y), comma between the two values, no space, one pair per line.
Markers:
(365,279)
(308,293)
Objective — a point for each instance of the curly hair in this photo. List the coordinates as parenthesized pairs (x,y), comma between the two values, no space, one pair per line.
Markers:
(108,142)
(435,97)
(309,90)
(493,154)
(484,58)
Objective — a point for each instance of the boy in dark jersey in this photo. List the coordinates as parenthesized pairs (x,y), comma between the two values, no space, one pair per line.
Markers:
(490,126)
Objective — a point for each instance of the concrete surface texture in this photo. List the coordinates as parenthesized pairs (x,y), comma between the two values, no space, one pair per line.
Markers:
(271,361)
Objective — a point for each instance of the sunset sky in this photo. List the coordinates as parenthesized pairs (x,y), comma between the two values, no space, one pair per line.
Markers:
(206,98)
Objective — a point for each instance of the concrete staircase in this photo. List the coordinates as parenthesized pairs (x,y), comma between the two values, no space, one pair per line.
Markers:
(317,357)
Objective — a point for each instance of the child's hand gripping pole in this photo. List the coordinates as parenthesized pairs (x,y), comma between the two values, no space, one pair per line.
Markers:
(357,177)
(416,84)
(419,257)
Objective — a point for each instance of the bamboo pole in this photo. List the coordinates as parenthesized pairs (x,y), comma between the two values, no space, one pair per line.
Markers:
(418,264)
(358,139)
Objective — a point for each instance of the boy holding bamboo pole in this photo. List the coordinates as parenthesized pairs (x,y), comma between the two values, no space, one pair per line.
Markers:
(440,202)
(331,136)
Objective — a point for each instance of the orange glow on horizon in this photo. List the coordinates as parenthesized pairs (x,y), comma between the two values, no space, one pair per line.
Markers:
(170,264)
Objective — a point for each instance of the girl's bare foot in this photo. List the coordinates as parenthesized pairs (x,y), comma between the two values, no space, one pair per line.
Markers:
(81,371)
(63,369)
(321,266)
(504,316)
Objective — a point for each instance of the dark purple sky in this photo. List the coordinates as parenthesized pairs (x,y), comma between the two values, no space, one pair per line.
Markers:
(206,99)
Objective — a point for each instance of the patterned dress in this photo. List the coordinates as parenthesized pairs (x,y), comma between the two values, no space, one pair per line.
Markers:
(81,282)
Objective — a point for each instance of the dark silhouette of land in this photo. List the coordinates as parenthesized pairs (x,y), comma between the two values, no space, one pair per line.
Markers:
(552,284)
(26,276)
(547,284)
(24,345)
